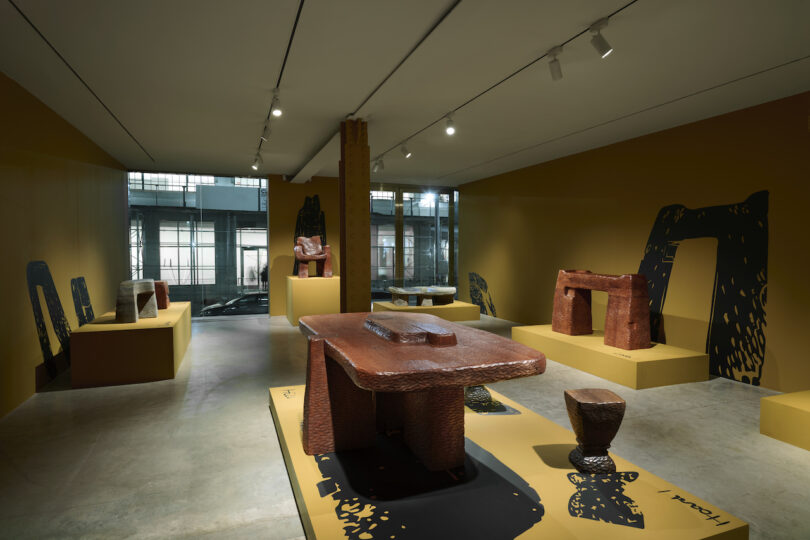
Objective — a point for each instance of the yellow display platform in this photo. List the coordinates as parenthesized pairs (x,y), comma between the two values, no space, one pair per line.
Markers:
(312,296)
(660,365)
(786,417)
(517,482)
(457,311)
(105,353)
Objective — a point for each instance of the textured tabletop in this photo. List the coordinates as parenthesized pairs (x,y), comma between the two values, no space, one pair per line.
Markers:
(378,363)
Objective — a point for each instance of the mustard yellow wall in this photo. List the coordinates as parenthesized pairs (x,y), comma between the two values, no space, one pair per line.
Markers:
(595,210)
(284,199)
(62,200)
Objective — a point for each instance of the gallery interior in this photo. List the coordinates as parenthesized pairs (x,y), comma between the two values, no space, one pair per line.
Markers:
(312,269)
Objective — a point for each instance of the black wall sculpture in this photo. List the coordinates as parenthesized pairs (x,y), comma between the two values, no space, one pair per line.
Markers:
(736,337)
(38,274)
(479,294)
(310,222)
(81,301)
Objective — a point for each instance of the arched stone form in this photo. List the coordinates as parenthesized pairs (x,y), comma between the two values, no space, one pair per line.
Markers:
(627,323)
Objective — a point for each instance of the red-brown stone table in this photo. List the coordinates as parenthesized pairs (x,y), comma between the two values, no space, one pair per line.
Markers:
(369,372)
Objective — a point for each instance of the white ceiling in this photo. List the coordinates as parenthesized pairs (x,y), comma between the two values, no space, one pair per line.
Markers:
(191,80)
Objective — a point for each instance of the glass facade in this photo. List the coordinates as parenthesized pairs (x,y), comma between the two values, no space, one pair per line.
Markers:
(413,237)
(205,235)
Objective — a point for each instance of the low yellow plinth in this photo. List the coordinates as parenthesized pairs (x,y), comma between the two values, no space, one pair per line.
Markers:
(786,417)
(106,353)
(457,311)
(660,365)
(519,484)
(312,296)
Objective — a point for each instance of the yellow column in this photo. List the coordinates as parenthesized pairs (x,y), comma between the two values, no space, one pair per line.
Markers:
(355,224)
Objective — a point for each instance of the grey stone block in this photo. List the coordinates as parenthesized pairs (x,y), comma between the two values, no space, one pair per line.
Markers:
(136,299)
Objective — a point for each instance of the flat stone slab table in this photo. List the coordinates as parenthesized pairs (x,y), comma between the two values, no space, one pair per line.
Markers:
(387,372)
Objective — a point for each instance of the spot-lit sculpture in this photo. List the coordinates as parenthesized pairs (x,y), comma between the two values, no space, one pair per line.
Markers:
(311,249)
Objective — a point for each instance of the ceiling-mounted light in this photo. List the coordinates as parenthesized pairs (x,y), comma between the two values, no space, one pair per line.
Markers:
(256,162)
(405,152)
(554,66)
(449,126)
(379,165)
(598,40)
(275,107)
(265,132)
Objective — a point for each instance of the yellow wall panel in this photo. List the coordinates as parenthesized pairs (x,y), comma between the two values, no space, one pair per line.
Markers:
(64,202)
(284,200)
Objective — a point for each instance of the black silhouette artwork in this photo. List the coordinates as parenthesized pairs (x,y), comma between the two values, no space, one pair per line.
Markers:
(38,275)
(384,491)
(736,337)
(480,295)
(81,301)
(310,222)
(601,497)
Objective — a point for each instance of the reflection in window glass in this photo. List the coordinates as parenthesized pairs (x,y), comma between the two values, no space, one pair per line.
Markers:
(187,254)
(136,248)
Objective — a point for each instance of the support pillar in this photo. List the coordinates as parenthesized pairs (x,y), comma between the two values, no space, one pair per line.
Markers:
(355,219)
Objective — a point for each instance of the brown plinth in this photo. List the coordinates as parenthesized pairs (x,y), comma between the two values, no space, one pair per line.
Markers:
(627,322)
(595,415)
(400,372)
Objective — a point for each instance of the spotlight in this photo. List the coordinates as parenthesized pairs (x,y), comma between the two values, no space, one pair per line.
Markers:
(265,132)
(275,107)
(554,66)
(449,126)
(378,165)
(405,152)
(256,162)
(598,40)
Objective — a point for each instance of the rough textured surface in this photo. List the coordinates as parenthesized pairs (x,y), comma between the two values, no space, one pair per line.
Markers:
(417,365)
(627,322)
(595,415)
(162,294)
(136,299)
(409,328)
(310,249)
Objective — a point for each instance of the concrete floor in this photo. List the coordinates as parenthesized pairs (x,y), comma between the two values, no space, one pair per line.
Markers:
(198,455)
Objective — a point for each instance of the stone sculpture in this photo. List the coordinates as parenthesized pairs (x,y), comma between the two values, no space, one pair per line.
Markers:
(595,415)
(400,372)
(627,323)
(425,296)
(136,299)
(162,294)
(310,249)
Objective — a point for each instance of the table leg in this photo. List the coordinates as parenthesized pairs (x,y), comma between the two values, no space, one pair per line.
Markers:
(433,426)
(353,414)
(337,414)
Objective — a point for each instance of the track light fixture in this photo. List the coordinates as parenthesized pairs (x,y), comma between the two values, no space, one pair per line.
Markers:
(379,165)
(449,126)
(275,107)
(598,40)
(405,152)
(554,66)
(256,162)
(265,132)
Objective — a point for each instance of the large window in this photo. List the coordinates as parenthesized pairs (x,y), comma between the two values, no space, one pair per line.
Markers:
(412,237)
(187,254)
(136,247)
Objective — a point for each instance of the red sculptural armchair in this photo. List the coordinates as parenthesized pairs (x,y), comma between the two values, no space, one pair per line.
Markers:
(311,249)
